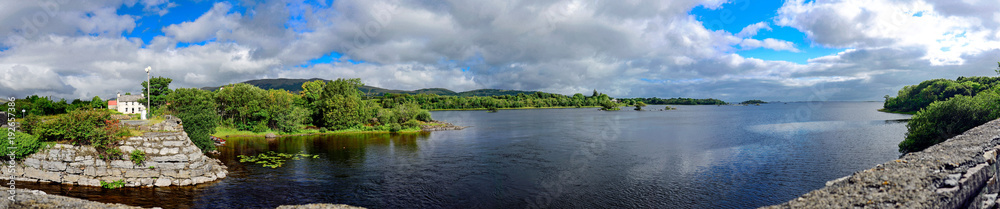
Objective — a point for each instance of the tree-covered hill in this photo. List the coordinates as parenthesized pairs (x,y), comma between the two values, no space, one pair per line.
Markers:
(295,85)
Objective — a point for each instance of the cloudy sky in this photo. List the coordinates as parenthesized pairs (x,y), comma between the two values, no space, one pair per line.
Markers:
(732,50)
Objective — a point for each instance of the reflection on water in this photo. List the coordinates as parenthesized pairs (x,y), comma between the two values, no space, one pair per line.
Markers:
(692,157)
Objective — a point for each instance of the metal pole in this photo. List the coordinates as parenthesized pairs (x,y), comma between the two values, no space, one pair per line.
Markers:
(149,87)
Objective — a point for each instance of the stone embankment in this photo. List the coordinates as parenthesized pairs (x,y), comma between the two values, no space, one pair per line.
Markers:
(35,199)
(958,173)
(171,159)
(441,126)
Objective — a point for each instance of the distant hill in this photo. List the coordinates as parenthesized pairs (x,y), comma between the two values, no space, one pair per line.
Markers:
(295,85)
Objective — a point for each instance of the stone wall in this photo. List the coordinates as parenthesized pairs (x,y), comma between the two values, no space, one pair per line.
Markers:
(171,160)
(958,173)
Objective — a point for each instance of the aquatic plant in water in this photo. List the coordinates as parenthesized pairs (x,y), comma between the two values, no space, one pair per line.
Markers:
(273,159)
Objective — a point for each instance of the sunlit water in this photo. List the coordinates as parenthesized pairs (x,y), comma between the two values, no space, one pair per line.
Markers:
(692,157)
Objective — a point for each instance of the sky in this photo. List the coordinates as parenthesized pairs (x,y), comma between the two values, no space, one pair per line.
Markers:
(796,50)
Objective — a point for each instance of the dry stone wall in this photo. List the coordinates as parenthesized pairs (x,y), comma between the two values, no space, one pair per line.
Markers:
(171,160)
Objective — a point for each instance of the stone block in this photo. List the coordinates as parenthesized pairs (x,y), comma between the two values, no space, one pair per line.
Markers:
(90,171)
(146,181)
(67,154)
(141,173)
(221,174)
(74,170)
(162,182)
(171,158)
(88,182)
(71,179)
(100,171)
(170,165)
(33,163)
(122,164)
(126,149)
(198,172)
(197,164)
(186,182)
(200,179)
(100,163)
(48,176)
(53,166)
(169,151)
(173,143)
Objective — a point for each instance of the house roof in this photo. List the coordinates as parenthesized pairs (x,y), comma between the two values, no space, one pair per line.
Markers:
(112,102)
(129,98)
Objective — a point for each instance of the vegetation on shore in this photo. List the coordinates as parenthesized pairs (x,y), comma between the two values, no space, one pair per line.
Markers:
(945,108)
(916,97)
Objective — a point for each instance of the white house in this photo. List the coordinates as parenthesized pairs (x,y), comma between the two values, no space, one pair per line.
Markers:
(128,104)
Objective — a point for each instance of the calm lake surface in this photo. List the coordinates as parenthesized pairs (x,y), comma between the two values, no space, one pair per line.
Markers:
(692,157)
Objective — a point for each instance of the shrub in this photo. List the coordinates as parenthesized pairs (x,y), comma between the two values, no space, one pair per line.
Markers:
(411,123)
(24,144)
(85,127)
(945,119)
(138,157)
(395,127)
(323,130)
(112,154)
(386,116)
(424,116)
(114,184)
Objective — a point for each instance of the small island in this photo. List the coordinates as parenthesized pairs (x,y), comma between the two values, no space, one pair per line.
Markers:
(753,102)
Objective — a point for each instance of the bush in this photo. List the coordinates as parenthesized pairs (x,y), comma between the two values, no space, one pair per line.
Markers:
(112,154)
(25,144)
(323,130)
(945,119)
(137,157)
(84,127)
(412,123)
(395,127)
(424,116)
(113,185)
(386,116)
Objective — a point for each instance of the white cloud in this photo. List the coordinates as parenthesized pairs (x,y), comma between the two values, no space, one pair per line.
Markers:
(213,23)
(769,43)
(633,48)
(751,30)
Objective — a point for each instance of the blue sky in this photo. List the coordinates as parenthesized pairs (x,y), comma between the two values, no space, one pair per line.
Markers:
(733,50)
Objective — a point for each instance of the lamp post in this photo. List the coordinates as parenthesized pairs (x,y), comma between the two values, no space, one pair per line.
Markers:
(149,87)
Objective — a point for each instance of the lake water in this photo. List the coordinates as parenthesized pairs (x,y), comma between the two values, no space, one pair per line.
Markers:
(692,157)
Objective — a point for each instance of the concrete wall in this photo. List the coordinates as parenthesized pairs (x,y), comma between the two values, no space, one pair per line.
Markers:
(958,173)
(174,159)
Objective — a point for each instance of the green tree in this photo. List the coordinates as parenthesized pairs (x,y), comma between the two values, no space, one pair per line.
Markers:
(97,102)
(197,110)
(639,105)
(242,106)
(945,119)
(159,91)
(340,104)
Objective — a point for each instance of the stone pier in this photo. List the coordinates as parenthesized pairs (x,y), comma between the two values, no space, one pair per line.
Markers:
(171,159)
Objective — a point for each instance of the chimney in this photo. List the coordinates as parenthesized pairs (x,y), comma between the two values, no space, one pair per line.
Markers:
(119,95)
